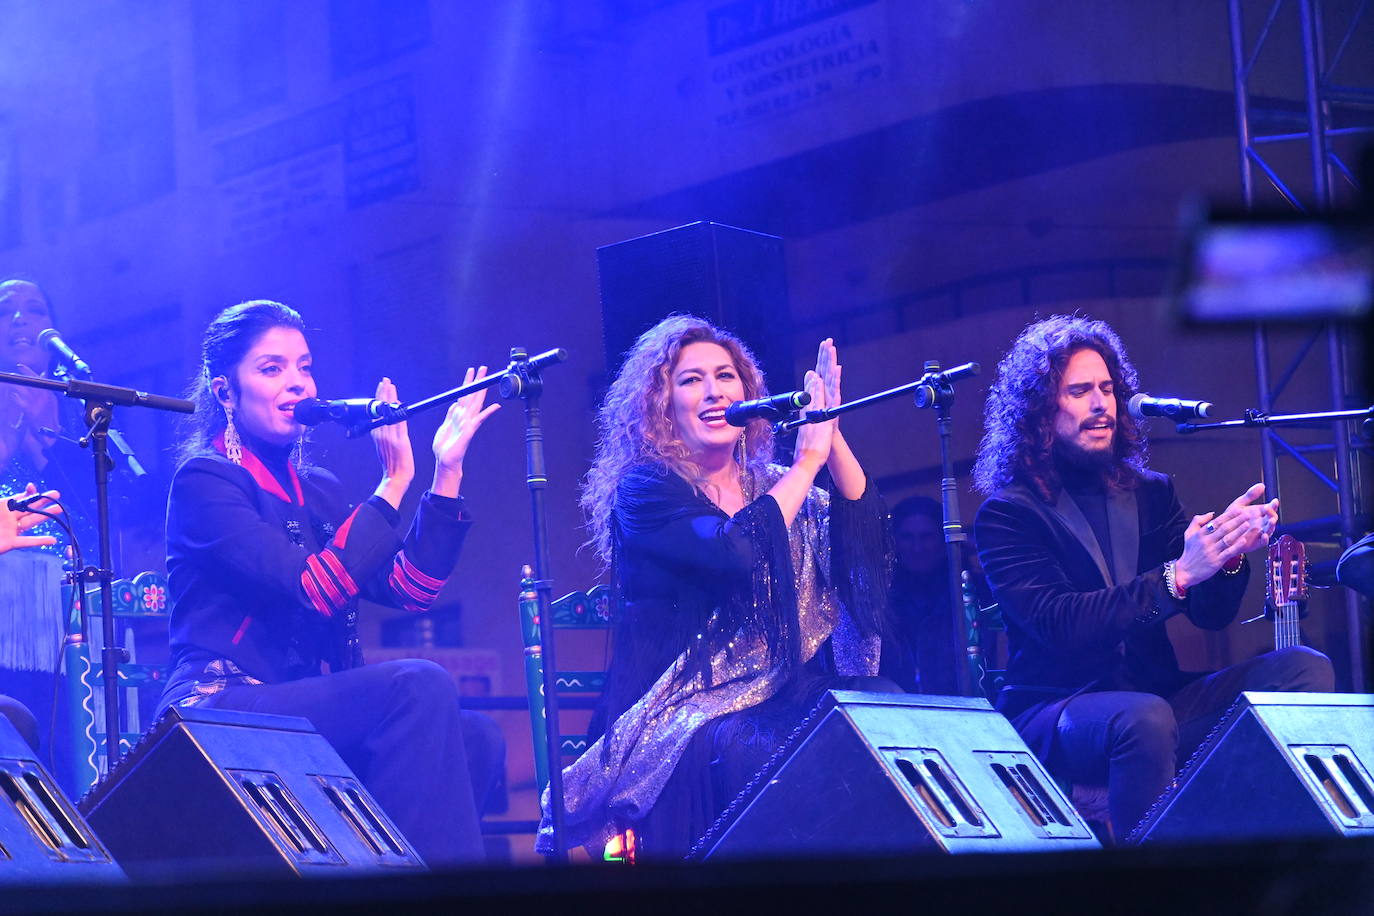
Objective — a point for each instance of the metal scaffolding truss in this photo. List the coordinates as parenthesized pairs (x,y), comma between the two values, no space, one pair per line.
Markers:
(1329,110)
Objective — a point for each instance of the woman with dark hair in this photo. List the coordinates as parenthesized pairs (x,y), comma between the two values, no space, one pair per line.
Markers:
(266,562)
(30,418)
(746,590)
(35,450)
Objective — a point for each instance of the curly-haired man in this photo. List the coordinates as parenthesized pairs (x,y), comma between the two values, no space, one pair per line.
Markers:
(1089,553)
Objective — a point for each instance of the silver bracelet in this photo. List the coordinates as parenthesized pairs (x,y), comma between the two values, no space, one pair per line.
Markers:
(1170,583)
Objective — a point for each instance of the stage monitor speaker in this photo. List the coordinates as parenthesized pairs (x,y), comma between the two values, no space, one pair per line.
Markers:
(734,278)
(1277,766)
(893,773)
(42,838)
(210,791)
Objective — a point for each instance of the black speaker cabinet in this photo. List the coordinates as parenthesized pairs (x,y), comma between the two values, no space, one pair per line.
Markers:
(209,790)
(734,278)
(895,773)
(42,838)
(1279,765)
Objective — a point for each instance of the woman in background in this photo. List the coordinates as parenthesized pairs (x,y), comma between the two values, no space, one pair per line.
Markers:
(33,450)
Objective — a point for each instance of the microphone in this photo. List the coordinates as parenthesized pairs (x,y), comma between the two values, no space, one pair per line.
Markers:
(25,503)
(65,354)
(349,411)
(774,408)
(1142,406)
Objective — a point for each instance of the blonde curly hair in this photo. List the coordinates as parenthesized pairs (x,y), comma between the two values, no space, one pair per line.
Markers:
(635,420)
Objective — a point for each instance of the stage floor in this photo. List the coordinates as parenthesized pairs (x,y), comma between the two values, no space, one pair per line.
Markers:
(1333,876)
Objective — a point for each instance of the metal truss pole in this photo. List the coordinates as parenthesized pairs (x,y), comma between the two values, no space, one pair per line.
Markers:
(1318,93)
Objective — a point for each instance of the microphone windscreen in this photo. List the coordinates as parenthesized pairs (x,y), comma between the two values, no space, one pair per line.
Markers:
(1133,405)
(310,411)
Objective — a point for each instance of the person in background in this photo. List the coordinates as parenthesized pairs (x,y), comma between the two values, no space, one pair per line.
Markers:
(35,450)
(921,656)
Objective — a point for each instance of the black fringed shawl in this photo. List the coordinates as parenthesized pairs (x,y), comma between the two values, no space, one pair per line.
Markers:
(718,613)
(683,567)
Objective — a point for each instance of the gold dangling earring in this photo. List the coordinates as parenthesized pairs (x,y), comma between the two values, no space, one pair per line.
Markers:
(233,445)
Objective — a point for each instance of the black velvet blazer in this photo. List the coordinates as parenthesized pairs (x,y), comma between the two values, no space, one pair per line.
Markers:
(1077,622)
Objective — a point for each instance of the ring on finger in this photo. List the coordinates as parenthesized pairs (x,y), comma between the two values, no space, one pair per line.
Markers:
(1210,528)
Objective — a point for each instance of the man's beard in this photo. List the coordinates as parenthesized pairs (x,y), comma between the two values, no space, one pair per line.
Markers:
(1095,461)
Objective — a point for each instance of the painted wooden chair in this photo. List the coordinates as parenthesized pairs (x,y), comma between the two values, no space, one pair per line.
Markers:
(584,611)
(144,597)
(580,610)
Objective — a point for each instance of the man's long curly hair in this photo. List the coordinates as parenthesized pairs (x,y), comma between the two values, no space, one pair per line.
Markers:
(1018,418)
(635,423)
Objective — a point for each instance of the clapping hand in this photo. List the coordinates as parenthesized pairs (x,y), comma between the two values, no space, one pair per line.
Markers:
(392,442)
(829,369)
(1211,541)
(454,435)
(814,439)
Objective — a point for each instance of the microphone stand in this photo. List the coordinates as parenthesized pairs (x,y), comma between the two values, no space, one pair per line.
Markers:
(131,463)
(935,389)
(100,400)
(399,413)
(523,379)
(1255,418)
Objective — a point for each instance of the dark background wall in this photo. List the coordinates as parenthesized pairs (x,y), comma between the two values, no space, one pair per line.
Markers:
(427,181)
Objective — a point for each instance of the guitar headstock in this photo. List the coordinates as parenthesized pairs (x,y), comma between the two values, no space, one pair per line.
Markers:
(1287,581)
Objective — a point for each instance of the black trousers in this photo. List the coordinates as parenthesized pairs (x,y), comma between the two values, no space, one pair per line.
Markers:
(399,727)
(1134,742)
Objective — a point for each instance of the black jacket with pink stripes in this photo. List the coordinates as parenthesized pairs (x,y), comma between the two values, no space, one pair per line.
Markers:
(265,566)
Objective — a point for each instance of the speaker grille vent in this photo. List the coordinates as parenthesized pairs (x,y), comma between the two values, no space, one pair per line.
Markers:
(285,819)
(1341,781)
(54,826)
(1038,799)
(371,827)
(948,806)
